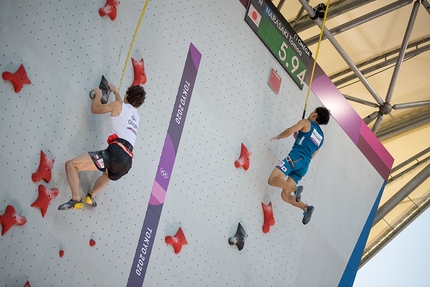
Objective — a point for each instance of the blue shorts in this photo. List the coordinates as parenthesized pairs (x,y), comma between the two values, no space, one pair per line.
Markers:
(294,166)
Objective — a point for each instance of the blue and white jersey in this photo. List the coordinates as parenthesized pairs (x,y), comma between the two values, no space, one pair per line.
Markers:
(307,144)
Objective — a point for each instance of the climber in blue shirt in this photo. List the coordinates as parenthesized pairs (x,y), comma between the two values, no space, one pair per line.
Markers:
(309,139)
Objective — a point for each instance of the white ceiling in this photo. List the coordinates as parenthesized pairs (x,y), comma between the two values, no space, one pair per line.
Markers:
(364,42)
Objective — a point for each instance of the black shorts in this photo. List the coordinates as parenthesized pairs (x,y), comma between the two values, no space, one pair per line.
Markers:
(113,159)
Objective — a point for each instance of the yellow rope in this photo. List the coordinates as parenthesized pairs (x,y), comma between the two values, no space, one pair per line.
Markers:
(132,41)
(315,60)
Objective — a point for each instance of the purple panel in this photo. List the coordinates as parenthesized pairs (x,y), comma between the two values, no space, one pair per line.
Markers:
(244,3)
(339,107)
(351,123)
(165,167)
(144,246)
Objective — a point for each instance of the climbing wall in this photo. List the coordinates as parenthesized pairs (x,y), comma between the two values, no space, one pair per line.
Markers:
(65,47)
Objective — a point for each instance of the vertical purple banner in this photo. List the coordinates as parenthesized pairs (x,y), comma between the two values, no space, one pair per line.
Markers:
(164,171)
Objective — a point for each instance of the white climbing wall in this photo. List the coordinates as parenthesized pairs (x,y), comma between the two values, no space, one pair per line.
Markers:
(65,46)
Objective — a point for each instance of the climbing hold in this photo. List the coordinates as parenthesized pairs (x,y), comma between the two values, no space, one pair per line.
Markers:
(243,160)
(238,238)
(139,72)
(44,170)
(269,219)
(18,79)
(10,218)
(177,240)
(109,9)
(27,284)
(92,242)
(105,91)
(61,253)
(44,198)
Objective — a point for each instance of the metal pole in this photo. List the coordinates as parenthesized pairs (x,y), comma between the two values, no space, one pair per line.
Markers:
(381,65)
(361,20)
(343,54)
(402,194)
(360,101)
(337,8)
(411,105)
(280,4)
(377,123)
(408,161)
(402,50)
(410,123)
(299,14)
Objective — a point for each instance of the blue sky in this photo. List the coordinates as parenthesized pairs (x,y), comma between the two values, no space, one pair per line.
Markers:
(404,262)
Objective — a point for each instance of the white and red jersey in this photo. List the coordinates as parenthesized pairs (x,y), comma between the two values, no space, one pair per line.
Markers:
(125,125)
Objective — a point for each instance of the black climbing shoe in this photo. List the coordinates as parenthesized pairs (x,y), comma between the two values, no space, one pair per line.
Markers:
(307,214)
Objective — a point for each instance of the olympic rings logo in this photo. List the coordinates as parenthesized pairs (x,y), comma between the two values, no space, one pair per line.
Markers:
(164,173)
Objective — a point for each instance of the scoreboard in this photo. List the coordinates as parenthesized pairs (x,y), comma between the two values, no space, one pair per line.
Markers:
(280,38)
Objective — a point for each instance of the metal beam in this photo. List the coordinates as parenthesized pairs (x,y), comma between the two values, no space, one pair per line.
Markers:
(361,20)
(378,66)
(360,101)
(370,118)
(402,194)
(408,170)
(411,105)
(336,9)
(412,122)
(386,55)
(402,51)
(280,4)
(343,54)
(411,159)
(377,123)
(299,14)
(385,239)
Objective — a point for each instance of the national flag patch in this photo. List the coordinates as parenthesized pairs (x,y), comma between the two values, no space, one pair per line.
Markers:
(254,15)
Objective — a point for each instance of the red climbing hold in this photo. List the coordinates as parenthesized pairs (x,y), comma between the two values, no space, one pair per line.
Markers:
(44,198)
(61,253)
(269,219)
(243,160)
(139,72)
(44,170)
(27,284)
(18,79)
(109,9)
(10,218)
(177,240)
(92,242)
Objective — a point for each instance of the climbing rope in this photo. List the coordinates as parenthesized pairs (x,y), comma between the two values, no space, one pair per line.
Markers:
(132,42)
(315,60)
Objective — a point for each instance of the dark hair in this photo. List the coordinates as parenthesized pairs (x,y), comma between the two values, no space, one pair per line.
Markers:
(136,95)
(323,115)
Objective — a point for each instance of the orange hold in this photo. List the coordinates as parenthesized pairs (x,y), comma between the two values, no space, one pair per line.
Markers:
(18,79)
(269,219)
(11,218)
(177,240)
(109,9)
(139,72)
(243,160)
(44,170)
(44,198)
